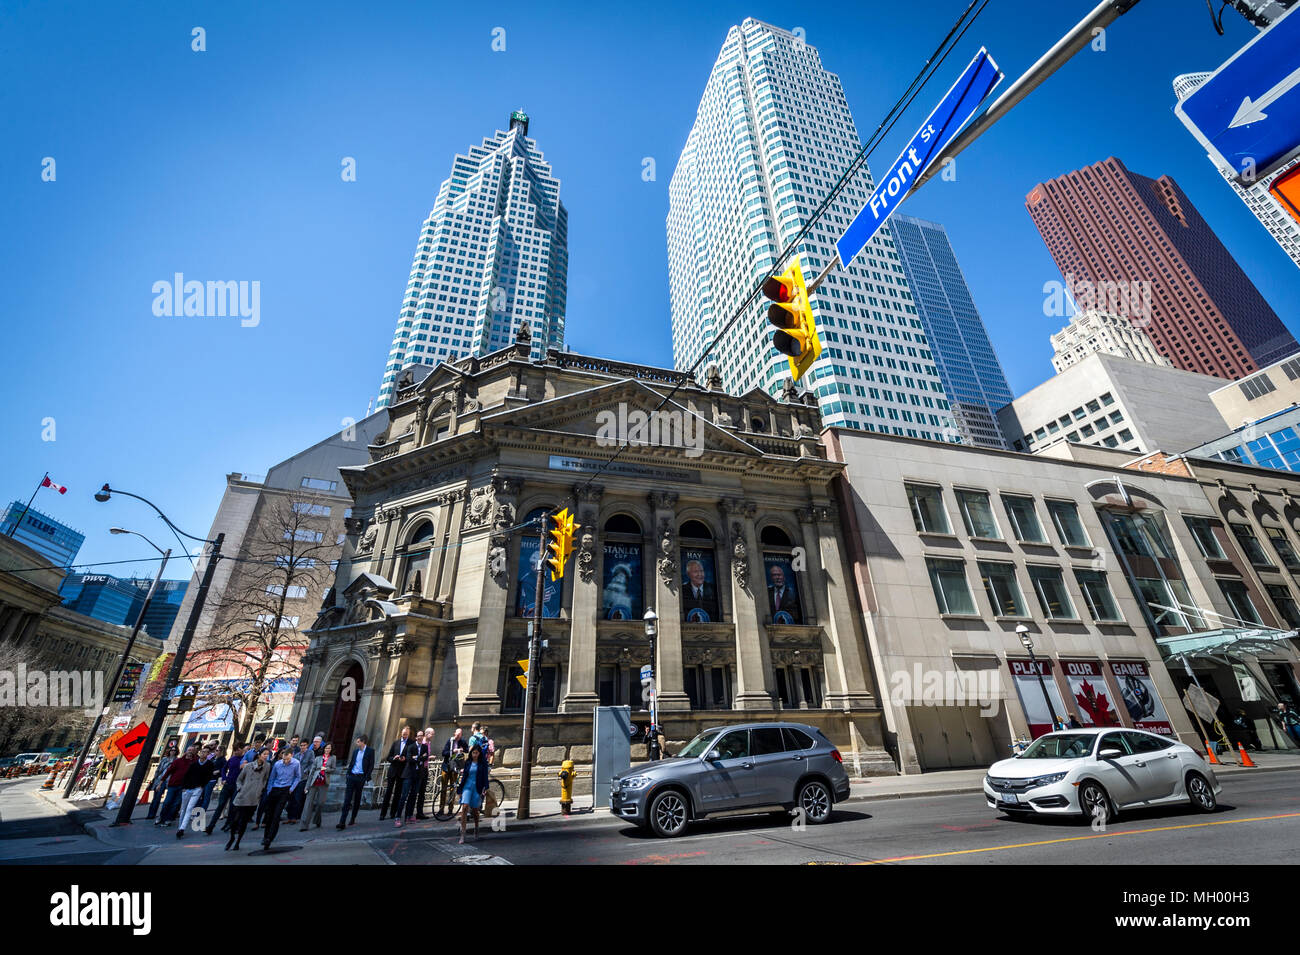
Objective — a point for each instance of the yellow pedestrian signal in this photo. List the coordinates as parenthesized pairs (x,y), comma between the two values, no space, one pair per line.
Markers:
(561,545)
(796,335)
(522,678)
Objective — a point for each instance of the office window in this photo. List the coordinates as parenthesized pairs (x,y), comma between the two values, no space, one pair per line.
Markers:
(928,514)
(1243,608)
(1280,594)
(1097,595)
(1207,542)
(977,514)
(1002,589)
(948,578)
(1065,518)
(1024,520)
(319,484)
(1250,545)
(1290,560)
(1140,535)
(1257,387)
(1049,585)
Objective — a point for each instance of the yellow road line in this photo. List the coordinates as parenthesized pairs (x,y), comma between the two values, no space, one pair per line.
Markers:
(1099,835)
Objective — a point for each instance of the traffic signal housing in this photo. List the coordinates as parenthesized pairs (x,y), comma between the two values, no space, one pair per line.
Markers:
(561,545)
(791,313)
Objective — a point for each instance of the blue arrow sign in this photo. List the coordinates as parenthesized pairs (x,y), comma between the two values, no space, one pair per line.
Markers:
(957,106)
(1247,114)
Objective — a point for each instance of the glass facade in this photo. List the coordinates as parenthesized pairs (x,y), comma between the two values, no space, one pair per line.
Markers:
(53,540)
(118,600)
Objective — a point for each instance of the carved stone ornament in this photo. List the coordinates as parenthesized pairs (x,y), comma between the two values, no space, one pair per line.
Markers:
(367,543)
(739,556)
(471,405)
(587,555)
(525,334)
(662,500)
(480,507)
(713,379)
(667,553)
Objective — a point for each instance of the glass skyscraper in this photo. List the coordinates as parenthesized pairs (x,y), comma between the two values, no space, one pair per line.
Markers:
(493,254)
(970,371)
(51,539)
(772,135)
(119,599)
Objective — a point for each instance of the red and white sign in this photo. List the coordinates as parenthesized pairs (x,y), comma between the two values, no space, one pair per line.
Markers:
(58,487)
(1025,676)
(132,741)
(1091,695)
(1138,691)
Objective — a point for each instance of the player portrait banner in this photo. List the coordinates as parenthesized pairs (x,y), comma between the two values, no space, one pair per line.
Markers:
(699,586)
(1138,691)
(784,601)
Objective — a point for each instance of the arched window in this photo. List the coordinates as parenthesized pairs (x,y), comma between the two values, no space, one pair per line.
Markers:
(784,600)
(622,587)
(699,574)
(419,549)
(532,554)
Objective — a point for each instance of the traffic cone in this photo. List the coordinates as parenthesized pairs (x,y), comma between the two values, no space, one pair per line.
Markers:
(144,798)
(49,783)
(1209,751)
(1246,761)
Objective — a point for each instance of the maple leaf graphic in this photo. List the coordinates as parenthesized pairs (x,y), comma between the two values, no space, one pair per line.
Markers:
(1096,705)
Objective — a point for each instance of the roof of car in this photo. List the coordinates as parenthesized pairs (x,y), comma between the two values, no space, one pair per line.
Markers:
(1101,729)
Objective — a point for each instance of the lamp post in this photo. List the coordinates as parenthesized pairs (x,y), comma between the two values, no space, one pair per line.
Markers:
(77,767)
(178,661)
(651,631)
(1028,642)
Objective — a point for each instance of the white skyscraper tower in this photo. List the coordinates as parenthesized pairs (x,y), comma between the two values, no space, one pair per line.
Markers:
(1256,196)
(772,135)
(493,253)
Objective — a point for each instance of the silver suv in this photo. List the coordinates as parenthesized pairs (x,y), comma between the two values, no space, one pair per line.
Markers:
(728,769)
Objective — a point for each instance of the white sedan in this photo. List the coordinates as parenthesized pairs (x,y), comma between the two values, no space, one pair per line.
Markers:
(1097,772)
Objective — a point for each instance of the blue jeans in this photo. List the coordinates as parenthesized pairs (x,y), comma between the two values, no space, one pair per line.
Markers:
(171,804)
(207,793)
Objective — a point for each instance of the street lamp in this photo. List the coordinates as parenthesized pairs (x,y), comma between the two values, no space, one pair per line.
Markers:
(1028,642)
(79,765)
(651,631)
(178,661)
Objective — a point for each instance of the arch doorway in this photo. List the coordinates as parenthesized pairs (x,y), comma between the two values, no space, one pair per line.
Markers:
(346,703)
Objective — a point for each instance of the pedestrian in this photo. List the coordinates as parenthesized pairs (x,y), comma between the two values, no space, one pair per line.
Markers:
(317,783)
(453,754)
(415,798)
(473,784)
(273,754)
(159,784)
(229,779)
(175,776)
(489,744)
(196,779)
(251,753)
(410,775)
(393,778)
(476,737)
(285,775)
(212,783)
(249,787)
(1290,721)
(361,764)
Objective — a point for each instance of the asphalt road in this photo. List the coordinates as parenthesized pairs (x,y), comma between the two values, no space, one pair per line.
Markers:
(1258,822)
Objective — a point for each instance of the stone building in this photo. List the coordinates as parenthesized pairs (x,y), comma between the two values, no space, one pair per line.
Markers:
(715,504)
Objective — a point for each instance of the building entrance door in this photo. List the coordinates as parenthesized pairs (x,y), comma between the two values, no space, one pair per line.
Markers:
(346,704)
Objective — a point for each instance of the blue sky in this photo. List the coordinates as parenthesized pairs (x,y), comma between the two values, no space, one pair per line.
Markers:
(225,165)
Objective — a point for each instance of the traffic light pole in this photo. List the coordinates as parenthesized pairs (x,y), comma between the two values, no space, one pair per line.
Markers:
(530,691)
(77,767)
(173,677)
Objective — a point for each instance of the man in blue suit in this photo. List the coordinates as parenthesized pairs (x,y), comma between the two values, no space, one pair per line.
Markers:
(359,767)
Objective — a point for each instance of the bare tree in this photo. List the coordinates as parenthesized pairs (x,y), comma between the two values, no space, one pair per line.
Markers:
(24,727)
(286,560)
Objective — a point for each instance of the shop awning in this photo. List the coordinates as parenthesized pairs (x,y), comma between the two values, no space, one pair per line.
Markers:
(1229,644)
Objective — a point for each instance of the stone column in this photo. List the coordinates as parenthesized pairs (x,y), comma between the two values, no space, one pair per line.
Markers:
(753,655)
(669,677)
(482,698)
(848,682)
(15,621)
(585,605)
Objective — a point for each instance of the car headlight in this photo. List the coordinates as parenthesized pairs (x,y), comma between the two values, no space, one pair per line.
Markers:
(634,782)
(1047,780)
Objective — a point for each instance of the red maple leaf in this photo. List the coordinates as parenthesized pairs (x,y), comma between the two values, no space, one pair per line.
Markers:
(1095,705)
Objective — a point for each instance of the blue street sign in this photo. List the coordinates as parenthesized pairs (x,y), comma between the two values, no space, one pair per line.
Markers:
(1247,114)
(957,106)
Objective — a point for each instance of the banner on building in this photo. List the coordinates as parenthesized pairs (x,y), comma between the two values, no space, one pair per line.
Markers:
(530,558)
(1092,699)
(1025,675)
(130,681)
(699,586)
(621,587)
(1140,698)
(782,591)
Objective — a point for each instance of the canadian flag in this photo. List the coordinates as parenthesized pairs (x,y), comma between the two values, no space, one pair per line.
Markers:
(58,487)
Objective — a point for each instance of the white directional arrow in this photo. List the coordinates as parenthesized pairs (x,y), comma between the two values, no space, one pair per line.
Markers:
(1252,111)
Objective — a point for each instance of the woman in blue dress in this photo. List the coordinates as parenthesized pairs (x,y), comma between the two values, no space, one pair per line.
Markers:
(473,784)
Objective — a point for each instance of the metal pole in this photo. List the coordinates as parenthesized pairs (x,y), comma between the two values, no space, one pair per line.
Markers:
(173,677)
(1042,683)
(530,692)
(1102,16)
(14,527)
(117,677)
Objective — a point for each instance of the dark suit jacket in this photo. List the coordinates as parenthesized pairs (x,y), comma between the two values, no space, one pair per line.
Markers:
(460,744)
(396,770)
(789,603)
(708,600)
(367,761)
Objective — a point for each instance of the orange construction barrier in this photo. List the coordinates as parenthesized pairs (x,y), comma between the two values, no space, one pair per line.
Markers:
(1209,751)
(1246,761)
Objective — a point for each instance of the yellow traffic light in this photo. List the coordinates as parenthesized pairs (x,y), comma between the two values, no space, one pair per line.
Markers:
(522,677)
(796,335)
(561,545)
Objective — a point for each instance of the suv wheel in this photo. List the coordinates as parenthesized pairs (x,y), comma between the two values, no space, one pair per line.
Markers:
(1200,793)
(815,801)
(668,814)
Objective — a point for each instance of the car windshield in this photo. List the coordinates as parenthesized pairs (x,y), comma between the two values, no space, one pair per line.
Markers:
(1060,746)
(700,745)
